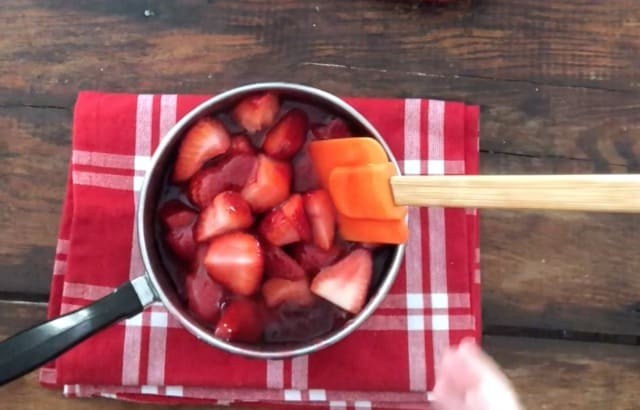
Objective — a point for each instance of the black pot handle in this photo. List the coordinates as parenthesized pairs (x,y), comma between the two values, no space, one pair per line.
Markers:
(34,347)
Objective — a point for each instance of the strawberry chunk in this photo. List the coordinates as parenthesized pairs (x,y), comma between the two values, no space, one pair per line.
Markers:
(304,174)
(241,321)
(276,291)
(204,296)
(321,213)
(240,144)
(268,185)
(235,260)
(294,210)
(227,212)
(277,263)
(257,112)
(285,139)
(312,258)
(336,128)
(286,224)
(178,220)
(346,283)
(205,140)
(181,242)
(229,174)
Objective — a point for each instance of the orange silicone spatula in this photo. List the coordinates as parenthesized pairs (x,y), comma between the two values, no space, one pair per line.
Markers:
(365,188)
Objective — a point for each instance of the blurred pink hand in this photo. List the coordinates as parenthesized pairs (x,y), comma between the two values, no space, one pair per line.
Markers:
(468,379)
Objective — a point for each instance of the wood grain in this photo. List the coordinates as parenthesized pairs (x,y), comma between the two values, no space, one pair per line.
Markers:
(547,374)
(552,374)
(34,157)
(588,44)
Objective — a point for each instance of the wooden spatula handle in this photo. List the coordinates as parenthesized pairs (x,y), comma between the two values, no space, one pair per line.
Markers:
(601,193)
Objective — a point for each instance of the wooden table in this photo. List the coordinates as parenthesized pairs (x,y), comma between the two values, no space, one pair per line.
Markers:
(559,86)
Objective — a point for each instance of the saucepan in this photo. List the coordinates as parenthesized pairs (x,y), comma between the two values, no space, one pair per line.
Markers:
(35,346)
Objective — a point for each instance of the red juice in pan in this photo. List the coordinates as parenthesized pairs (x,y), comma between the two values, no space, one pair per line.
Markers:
(249,236)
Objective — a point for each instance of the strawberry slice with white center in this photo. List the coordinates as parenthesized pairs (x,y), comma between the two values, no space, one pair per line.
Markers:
(229,174)
(227,212)
(205,140)
(178,220)
(285,139)
(276,291)
(268,184)
(346,283)
(336,128)
(240,144)
(286,224)
(277,263)
(321,213)
(241,321)
(235,260)
(312,258)
(257,112)
(204,296)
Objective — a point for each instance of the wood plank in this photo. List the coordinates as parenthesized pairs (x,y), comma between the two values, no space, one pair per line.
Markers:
(559,270)
(34,153)
(547,374)
(17,315)
(551,374)
(520,118)
(54,48)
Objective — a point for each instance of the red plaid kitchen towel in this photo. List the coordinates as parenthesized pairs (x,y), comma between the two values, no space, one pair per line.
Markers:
(388,363)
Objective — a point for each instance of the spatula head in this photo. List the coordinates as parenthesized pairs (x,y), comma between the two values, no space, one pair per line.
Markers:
(365,192)
(327,155)
(357,172)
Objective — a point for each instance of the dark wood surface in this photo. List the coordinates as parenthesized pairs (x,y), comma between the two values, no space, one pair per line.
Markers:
(559,87)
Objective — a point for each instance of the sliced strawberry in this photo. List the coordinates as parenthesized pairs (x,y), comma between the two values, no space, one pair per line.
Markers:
(321,213)
(204,296)
(312,259)
(229,174)
(278,264)
(178,219)
(235,261)
(336,128)
(268,185)
(241,321)
(227,212)
(285,139)
(346,283)
(286,224)
(240,144)
(293,208)
(257,112)
(276,228)
(276,291)
(206,139)
(304,174)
